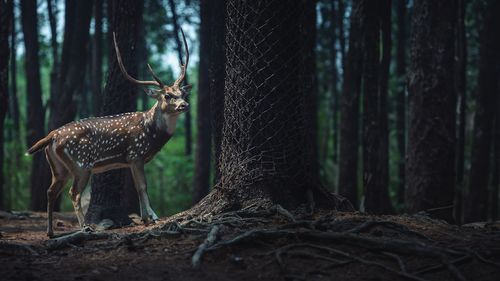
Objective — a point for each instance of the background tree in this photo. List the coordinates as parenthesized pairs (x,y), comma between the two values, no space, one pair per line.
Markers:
(97,57)
(401,109)
(431,134)
(266,143)
(178,43)
(486,105)
(107,200)
(461,88)
(349,108)
(40,175)
(5,25)
(376,22)
(201,181)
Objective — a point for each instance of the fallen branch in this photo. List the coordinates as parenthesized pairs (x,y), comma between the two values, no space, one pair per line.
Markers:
(75,238)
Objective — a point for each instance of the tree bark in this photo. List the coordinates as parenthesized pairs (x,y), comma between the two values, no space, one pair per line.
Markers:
(431,136)
(13,99)
(40,174)
(5,25)
(217,76)
(461,86)
(401,96)
(376,19)
(187,115)
(495,176)
(111,191)
(201,180)
(54,73)
(334,78)
(97,58)
(267,155)
(73,62)
(349,108)
(487,94)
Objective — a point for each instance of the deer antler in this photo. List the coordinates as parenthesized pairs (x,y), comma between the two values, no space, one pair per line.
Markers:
(156,83)
(183,66)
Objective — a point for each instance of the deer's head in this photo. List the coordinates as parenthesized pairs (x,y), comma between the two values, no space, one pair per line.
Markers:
(171,98)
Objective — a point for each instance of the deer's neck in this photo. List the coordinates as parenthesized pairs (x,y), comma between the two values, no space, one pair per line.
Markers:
(161,122)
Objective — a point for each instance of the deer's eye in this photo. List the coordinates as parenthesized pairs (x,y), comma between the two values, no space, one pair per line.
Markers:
(169,96)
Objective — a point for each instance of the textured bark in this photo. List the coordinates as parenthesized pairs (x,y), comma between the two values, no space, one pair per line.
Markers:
(461,86)
(97,58)
(431,134)
(376,21)
(267,149)
(349,108)
(5,22)
(401,95)
(40,174)
(201,180)
(487,94)
(217,75)
(112,192)
(187,115)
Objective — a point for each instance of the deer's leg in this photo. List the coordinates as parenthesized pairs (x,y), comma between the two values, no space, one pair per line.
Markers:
(147,212)
(80,181)
(59,178)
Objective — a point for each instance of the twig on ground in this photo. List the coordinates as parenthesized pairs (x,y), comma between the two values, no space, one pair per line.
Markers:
(211,238)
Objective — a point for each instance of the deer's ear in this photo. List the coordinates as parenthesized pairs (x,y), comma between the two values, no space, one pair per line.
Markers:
(152,93)
(186,88)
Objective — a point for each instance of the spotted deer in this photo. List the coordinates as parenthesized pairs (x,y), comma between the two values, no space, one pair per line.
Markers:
(95,145)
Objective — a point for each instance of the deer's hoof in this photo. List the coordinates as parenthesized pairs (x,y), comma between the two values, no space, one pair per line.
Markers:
(50,234)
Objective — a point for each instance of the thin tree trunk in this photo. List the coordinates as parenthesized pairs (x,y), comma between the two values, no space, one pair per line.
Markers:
(201,180)
(54,73)
(340,23)
(217,76)
(461,86)
(334,79)
(97,58)
(111,191)
(431,136)
(73,62)
(5,25)
(40,175)
(401,49)
(14,102)
(349,109)
(495,176)
(487,94)
(187,118)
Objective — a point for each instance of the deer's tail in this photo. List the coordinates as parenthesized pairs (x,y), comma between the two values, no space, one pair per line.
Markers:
(40,144)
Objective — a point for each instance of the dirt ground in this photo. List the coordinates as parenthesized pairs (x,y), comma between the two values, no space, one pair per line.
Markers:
(275,248)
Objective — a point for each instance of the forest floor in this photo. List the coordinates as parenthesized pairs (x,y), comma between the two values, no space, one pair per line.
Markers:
(252,245)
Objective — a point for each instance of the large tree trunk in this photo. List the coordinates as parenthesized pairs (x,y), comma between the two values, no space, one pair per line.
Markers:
(495,176)
(110,196)
(201,181)
(5,22)
(461,86)
(97,58)
(401,96)
(217,75)
(376,19)
(487,94)
(187,115)
(349,108)
(267,155)
(431,135)
(40,174)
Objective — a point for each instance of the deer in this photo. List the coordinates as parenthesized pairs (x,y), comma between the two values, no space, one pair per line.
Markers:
(98,144)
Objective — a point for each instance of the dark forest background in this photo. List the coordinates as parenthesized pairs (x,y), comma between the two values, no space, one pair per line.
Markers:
(403,94)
